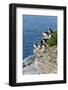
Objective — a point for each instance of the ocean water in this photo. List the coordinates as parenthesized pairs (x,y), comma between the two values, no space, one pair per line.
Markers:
(33,27)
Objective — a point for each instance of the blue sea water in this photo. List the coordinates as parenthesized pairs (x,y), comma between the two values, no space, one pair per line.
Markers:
(33,27)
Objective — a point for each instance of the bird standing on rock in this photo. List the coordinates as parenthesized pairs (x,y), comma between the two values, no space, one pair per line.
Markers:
(50,32)
(35,45)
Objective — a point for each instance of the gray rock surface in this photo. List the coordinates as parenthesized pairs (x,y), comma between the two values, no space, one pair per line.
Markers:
(46,64)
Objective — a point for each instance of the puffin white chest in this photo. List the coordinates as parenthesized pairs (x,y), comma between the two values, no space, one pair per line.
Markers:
(49,35)
(45,35)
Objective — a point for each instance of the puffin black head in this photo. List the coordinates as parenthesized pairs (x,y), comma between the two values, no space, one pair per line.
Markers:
(50,30)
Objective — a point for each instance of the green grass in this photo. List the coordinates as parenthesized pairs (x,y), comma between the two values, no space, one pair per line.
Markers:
(53,40)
